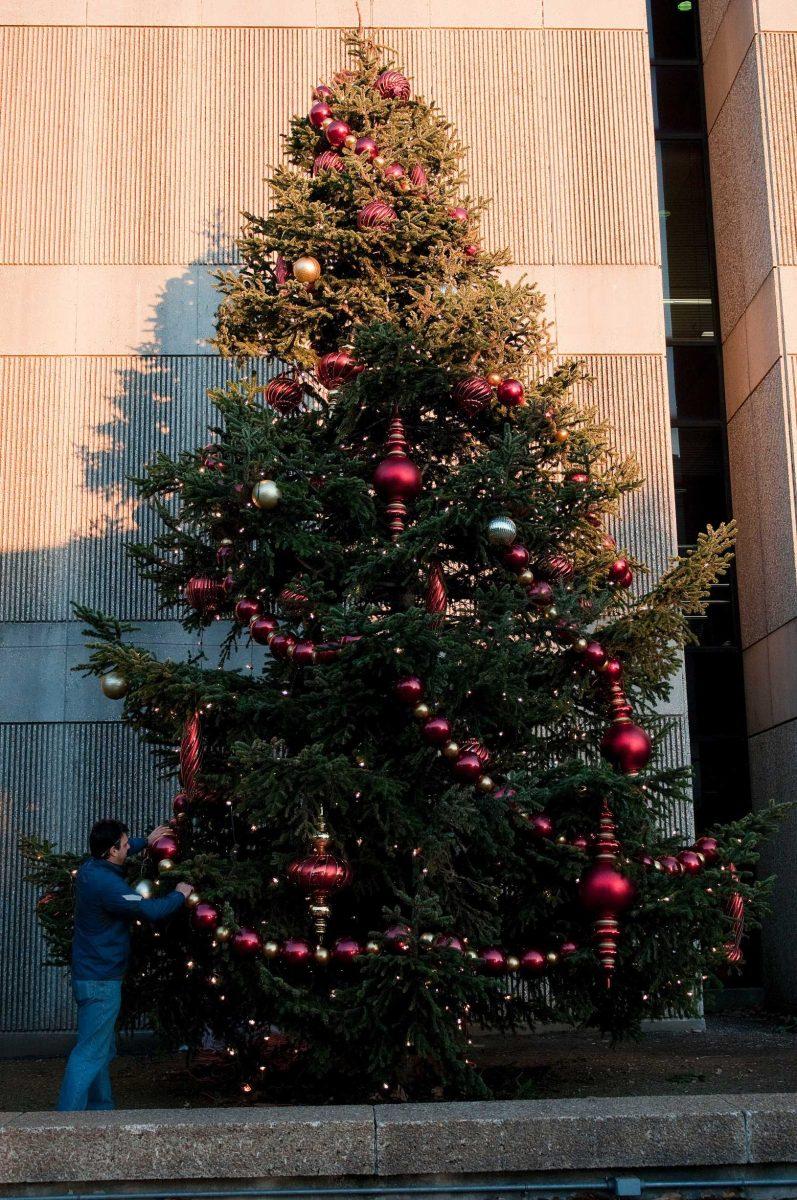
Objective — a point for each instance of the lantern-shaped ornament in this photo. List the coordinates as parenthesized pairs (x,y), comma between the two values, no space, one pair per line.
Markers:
(397,479)
(606,892)
(319,875)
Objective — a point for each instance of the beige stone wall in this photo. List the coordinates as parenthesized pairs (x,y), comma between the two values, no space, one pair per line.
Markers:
(133,135)
(750,52)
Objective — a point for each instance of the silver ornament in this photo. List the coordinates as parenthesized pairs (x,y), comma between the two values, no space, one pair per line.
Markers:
(501,531)
(266,494)
(144,889)
(114,685)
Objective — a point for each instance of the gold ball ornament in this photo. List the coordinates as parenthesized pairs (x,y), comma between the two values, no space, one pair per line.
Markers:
(306,269)
(350,141)
(581,643)
(193,899)
(493,378)
(372,947)
(271,949)
(380,162)
(552,958)
(526,577)
(421,712)
(266,494)
(165,865)
(512,963)
(426,939)
(222,933)
(485,784)
(321,954)
(114,685)
(326,121)
(451,750)
(403,185)
(561,436)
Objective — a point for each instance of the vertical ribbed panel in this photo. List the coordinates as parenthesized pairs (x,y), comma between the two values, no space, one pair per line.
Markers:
(779,56)
(142,145)
(56,781)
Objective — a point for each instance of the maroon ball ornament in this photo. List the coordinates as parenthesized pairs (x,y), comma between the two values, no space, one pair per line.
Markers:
(281,645)
(541,825)
(320,873)
(180,804)
(165,846)
(246,943)
(376,215)
(472,251)
(492,960)
(212,459)
(708,847)
(247,609)
(578,478)
(262,628)
(304,654)
(567,949)
(670,864)
(346,950)
(472,395)
(322,91)
(449,941)
(533,962)
(604,889)
(510,392)
(612,669)
(295,952)
(594,656)
(617,570)
(203,594)
(336,368)
(392,85)
(626,580)
(409,690)
(393,171)
(467,768)
(436,731)
(397,479)
(336,133)
(516,558)
(283,393)
(691,862)
(459,214)
(397,939)
(327,160)
(366,146)
(541,593)
(626,746)
(319,113)
(205,916)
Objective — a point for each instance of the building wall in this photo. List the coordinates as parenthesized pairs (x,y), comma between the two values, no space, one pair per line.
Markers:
(130,149)
(750,73)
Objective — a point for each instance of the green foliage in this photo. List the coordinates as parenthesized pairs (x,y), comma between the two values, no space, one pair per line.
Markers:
(282,742)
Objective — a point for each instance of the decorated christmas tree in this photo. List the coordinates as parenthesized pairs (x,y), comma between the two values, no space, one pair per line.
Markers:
(436,796)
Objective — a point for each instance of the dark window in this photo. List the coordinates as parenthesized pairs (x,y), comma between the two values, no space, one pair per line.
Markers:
(695,382)
(678,103)
(673,30)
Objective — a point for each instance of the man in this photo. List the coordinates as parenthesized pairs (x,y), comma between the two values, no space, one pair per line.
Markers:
(104,906)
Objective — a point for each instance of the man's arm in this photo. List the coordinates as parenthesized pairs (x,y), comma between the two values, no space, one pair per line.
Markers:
(136,845)
(119,898)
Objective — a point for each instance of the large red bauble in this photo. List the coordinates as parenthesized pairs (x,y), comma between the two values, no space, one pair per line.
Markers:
(594,656)
(510,392)
(397,938)
(262,628)
(281,644)
(327,160)
(472,395)
(458,214)
(448,941)
(203,594)
(627,747)
(319,113)
(690,861)
(246,610)
(367,146)
(393,171)
(541,825)
(555,566)
(604,889)
(409,690)
(205,916)
(346,949)
(516,558)
(436,731)
(337,367)
(322,873)
(165,846)
(612,669)
(627,579)
(283,393)
(467,768)
(397,479)
(533,962)
(541,593)
(492,960)
(418,177)
(708,847)
(577,477)
(246,943)
(393,85)
(322,92)
(304,654)
(376,215)
(180,804)
(336,133)
(295,951)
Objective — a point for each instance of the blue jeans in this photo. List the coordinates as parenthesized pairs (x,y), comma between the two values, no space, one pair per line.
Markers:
(87,1084)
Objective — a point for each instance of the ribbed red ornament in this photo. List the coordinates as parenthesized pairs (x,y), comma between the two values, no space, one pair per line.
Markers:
(336,368)
(376,215)
(191,755)
(474,746)
(472,395)
(397,479)
(734,908)
(606,892)
(327,160)
(554,566)
(283,393)
(393,85)
(319,875)
(203,594)
(281,271)
(436,594)
(418,177)
(292,601)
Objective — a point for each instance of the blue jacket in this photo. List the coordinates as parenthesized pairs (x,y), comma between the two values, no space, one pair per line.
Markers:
(105,904)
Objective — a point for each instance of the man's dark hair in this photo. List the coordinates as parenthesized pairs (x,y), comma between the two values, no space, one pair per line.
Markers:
(104,835)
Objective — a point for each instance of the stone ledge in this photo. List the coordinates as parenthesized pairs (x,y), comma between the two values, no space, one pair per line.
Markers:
(609,1134)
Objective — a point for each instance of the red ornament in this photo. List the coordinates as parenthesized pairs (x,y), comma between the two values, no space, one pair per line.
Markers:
(205,916)
(262,628)
(180,804)
(376,215)
(510,392)
(246,943)
(203,594)
(246,609)
(436,731)
(606,892)
(733,908)
(472,395)
(516,558)
(367,146)
(346,949)
(449,941)
(322,92)
(541,593)
(472,251)
(325,652)
(627,579)
(541,825)
(670,864)
(327,160)
(283,393)
(626,746)
(578,478)
(336,133)
(281,271)
(555,567)
(467,768)
(492,960)
(165,846)
(567,949)
(319,875)
(612,669)
(594,656)
(281,645)
(418,177)
(691,862)
(409,690)
(579,842)
(319,113)
(224,553)
(436,595)
(708,847)
(459,214)
(392,85)
(336,368)
(533,962)
(295,951)
(292,602)
(191,755)
(472,746)
(211,458)
(603,888)
(397,479)
(394,171)
(397,938)
(304,654)
(617,570)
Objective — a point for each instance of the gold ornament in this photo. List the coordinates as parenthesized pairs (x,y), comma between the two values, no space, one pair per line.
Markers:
(222,933)
(403,185)
(451,750)
(512,963)
(493,378)
(350,141)
(561,436)
(114,685)
(165,865)
(526,577)
(307,269)
(485,784)
(193,899)
(326,121)
(372,947)
(321,954)
(379,162)
(552,958)
(266,494)
(271,949)
(426,939)
(581,643)
(421,712)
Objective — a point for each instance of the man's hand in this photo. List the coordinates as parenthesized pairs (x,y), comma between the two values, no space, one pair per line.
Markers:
(156,833)
(185,889)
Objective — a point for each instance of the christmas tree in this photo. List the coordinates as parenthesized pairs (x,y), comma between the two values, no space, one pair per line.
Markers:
(435,798)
